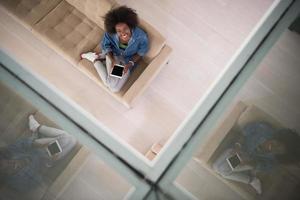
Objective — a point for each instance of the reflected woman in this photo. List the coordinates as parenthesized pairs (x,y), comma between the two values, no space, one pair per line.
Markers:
(23,162)
(262,149)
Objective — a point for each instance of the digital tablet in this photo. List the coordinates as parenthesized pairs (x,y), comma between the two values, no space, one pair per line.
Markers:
(234,161)
(54,148)
(117,71)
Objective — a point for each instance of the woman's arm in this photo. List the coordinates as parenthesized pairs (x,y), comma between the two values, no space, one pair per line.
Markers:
(143,48)
(106,44)
(135,58)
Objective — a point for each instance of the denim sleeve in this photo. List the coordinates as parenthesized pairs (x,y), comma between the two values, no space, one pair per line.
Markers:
(143,46)
(22,145)
(106,43)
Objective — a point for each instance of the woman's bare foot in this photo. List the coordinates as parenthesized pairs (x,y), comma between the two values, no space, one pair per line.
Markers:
(33,124)
(91,56)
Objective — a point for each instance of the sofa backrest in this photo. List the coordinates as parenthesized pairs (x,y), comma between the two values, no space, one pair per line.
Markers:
(29,12)
(93,9)
(96,9)
(256,114)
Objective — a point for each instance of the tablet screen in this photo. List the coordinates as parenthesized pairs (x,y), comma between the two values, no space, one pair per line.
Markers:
(54,148)
(234,161)
(117,70)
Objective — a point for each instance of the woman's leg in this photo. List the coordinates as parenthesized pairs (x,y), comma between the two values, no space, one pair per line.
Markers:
(67,143)
(239,177)
(113,83)
(65,140)
(116,84)
(247,179)
(96,59)
(43,131)
(47,135)
(46,131)
(222,167)
(42,142)
(101,70)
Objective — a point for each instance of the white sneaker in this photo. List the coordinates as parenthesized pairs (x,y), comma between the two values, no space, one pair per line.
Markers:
(91,56)
(256,184)
(33,124)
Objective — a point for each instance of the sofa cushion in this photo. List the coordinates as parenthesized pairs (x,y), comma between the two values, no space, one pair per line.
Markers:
(29,12)
(93,9)
(255,114)
(68,31)
(156,41)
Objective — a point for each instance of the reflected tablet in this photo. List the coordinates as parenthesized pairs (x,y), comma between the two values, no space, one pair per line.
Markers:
(117,71)
(234,161)
(54,148)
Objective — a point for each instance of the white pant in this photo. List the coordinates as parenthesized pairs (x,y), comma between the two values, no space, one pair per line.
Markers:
(222,167)
(46,135)
(113,83)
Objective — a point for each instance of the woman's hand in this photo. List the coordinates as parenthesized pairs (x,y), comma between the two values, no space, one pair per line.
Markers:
(246,162)
(127,67)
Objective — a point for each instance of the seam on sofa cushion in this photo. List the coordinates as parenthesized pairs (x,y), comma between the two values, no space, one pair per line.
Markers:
(27,12)
(68,31)
(48,12)
(94,12)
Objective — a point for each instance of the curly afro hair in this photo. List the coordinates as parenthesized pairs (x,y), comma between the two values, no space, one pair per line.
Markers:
(291,140)
(121,14)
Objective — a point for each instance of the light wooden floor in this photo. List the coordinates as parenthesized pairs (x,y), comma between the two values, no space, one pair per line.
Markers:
(203,34)
(274,87)
(203,184)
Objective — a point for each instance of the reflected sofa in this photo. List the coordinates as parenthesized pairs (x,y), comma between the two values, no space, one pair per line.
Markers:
(14,112)
(227,132)
(72,27)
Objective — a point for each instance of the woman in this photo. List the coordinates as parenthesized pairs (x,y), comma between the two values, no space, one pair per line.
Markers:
(123,43)
(262,149)
(23,162)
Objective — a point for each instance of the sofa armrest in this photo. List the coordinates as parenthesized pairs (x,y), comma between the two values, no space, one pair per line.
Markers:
(213,141)
(254,113)
(67,175)
(147,76)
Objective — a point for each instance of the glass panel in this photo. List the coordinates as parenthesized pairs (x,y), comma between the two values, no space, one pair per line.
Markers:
(40,160)
(253,152)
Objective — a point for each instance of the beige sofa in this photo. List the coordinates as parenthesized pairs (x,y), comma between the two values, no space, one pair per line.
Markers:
(228,132)
(71,27)
(14,112)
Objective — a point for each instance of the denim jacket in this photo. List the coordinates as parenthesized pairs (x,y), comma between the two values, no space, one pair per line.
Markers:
(257,133)
(30,175)
(138,43)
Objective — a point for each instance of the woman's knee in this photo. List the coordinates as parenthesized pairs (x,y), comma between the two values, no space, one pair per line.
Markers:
(114,86)
(219,170)
(67,141)
(115,89)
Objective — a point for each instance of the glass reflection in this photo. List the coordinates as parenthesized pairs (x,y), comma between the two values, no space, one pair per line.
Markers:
(40,160)
(253,151)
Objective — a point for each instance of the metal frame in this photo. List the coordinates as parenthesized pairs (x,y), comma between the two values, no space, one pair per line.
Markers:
(258,44)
